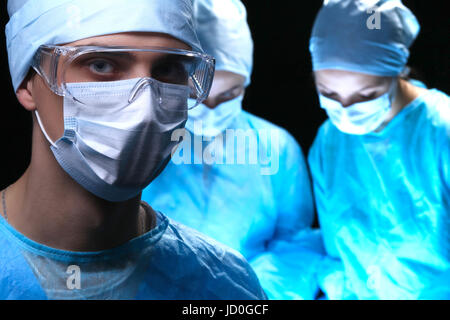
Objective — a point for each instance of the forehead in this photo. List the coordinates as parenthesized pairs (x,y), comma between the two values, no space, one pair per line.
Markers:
(133,39)
(345,80)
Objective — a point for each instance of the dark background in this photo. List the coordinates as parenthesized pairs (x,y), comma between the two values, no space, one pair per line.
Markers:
(281,91)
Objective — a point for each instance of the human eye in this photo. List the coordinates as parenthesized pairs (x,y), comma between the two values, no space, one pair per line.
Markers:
(230,94)
(101,67)
(327,94)
(227,95)
(368,96)
(170,71)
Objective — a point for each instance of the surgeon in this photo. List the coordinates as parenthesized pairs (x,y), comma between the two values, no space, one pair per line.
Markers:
(381,163)
(239,178)
(106,93)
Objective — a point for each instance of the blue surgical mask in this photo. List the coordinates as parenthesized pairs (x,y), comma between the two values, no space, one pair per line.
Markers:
(207,122)
(114,148)
(362,117)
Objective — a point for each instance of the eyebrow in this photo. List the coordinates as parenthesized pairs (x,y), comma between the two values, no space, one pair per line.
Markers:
(120,54)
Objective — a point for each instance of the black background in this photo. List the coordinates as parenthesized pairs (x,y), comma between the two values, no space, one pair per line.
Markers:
(281,91)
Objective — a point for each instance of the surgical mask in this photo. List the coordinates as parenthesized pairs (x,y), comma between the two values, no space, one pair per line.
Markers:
(207,122)
(362,117)
(113,147)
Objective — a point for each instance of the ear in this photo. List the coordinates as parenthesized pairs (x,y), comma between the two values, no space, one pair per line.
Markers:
(25,93)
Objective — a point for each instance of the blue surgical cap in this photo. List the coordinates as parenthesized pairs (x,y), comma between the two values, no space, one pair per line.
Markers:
(33,23)
(223,32)
(365,36)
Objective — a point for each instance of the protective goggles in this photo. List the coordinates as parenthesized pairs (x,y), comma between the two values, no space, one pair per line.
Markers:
(62,65)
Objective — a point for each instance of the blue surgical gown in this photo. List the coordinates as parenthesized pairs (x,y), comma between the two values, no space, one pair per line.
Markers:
(383,201)
(263,209)
(170,262)
(439,289)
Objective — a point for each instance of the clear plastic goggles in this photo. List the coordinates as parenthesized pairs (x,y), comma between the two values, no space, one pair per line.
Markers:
(62,65)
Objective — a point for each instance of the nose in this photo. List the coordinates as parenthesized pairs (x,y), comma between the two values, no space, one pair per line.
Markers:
(346,103)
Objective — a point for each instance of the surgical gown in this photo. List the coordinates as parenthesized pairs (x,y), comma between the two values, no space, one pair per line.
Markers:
(383,201)
(263,209)
(439,289)
(169,262)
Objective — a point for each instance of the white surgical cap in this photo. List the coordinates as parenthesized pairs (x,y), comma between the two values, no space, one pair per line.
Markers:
(223,32)
(366,36)
(36,22)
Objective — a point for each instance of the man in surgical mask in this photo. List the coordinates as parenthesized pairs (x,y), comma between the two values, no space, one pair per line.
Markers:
(106,94)
(380,164)
(238,178)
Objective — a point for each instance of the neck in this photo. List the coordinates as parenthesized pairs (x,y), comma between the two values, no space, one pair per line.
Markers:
(49,207)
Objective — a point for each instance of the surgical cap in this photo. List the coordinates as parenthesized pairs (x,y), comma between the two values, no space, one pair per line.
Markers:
(34,23)
(223,32)
(365,36)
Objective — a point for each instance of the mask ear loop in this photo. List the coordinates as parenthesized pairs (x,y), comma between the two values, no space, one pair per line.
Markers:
(43,129)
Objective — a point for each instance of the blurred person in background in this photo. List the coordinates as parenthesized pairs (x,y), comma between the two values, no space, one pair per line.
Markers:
(381,163)
(261,206)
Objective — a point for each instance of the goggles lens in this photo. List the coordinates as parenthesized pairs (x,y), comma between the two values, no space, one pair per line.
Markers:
(61,66)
